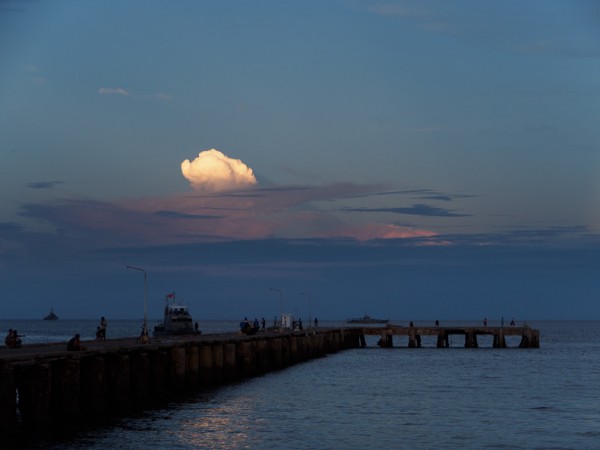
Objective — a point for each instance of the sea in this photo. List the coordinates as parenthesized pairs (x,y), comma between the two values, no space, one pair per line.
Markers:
(384,398)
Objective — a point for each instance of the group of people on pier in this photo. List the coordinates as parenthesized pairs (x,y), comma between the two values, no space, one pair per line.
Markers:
(247,327)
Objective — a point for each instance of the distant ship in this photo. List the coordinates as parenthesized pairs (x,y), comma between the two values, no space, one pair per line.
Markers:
(51,316)
(367,319)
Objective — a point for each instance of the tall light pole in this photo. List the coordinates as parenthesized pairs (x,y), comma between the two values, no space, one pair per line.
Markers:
(309,312)
(280,304)
(145,331)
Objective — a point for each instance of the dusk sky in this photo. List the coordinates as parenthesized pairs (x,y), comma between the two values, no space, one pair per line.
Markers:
(419,160)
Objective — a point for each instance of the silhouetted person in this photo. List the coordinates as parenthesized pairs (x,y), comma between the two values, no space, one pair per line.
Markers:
(316,322)
(74,344)
(103,325)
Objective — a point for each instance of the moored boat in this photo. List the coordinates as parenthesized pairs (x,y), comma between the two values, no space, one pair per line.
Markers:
(177,319)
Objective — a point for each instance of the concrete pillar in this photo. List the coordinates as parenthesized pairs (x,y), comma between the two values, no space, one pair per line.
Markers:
(293,349)
(300,348)
(285,351)
(93,386)
(246,358)
(471,339)
(192,367)
(363,341)
(118,383)
(442,340)
(499,341)
(230,371)
(66,391)
(275,359)
(320,344)
(333,338)
(412,342)
(535,339)
(160,374)
(262,359)
(139,377)
(386,341)
(35,398)
(178,365)
(205,363)
(218,362)
(8,403)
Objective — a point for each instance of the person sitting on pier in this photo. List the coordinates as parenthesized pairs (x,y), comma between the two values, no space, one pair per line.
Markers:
(12,339)
(8,337)
(74,344)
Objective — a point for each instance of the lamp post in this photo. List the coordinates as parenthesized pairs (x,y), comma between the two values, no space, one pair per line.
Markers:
(280,304)
(309,312)
(144,337)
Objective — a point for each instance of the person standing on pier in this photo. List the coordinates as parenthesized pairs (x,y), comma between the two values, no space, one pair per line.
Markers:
(103,325)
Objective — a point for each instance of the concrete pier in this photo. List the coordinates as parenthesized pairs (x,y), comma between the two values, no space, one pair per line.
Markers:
(48,392)
(530,338)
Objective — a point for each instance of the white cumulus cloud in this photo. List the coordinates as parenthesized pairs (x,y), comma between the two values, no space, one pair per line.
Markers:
(215,172)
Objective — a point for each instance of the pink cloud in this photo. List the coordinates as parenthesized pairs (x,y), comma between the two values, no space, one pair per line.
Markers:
(250,214)
(371,231)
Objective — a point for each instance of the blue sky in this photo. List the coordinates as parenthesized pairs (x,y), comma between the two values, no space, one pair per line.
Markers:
(432,159)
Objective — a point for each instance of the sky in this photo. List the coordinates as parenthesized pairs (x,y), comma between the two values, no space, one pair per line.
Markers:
(414,160)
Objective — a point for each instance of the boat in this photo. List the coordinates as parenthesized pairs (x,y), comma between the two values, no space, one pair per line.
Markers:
(367,320)
(177,319)
(51,315)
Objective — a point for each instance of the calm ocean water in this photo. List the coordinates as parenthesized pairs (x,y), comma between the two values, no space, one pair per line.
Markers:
(395,398)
